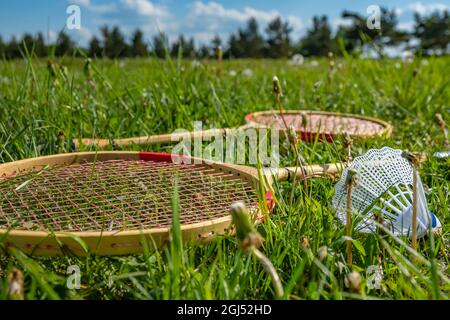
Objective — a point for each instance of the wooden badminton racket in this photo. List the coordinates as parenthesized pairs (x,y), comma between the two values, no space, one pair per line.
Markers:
(111,201)
(308,125)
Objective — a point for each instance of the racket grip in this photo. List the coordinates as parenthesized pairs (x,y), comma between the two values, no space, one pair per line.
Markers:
(309,171)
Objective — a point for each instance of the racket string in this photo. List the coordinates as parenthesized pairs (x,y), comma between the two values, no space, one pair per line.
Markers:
(119,194)
(326,124)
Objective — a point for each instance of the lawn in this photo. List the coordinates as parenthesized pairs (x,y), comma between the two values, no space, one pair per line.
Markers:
(44,103)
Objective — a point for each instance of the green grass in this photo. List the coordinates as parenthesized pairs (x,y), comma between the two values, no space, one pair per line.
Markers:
(139,97)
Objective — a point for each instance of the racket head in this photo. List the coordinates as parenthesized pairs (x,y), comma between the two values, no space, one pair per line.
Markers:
(326,125)
(113,201)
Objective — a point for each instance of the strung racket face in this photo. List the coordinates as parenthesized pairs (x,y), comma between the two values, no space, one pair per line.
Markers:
(327,125)
(111,200)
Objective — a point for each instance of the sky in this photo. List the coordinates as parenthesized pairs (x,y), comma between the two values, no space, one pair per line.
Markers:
(201,19)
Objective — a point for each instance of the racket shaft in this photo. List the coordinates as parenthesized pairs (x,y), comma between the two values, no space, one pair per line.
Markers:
(151,140)
(316,170)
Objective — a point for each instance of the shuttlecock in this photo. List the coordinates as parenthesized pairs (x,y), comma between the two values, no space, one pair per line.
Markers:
(383,193)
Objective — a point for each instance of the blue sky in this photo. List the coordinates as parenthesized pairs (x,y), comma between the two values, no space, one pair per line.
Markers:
(201,19)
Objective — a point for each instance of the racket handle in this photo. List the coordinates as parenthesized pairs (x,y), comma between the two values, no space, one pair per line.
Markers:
(315,170)
(150,140)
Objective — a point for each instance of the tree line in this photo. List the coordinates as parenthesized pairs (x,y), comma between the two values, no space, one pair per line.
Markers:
(431,33)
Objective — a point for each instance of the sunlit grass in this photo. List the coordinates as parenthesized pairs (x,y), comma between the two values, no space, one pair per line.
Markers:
(41,107)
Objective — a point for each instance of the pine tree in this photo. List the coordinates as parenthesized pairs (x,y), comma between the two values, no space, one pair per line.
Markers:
(95,48)
(2,48)
(357,35)
(251,42)
(189,49)
(278,39)
(12,49)
(433,32)
(64,45)
(216,42)
(27,43)
(204,52)
(138,47)
(235,49)
(160,45)
(107,44)
(40,47)
(318,40)
(120,48)
(184,48)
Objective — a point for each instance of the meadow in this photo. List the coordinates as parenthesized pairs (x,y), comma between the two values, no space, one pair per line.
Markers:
(43,103)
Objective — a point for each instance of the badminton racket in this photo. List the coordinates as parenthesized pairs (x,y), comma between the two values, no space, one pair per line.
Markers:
(106,203)
(308,126)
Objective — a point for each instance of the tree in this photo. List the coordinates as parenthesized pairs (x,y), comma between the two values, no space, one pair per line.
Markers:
(278,39)
(185,48)
(250,40)
(2,47)
(216,42)
(95,48)
(27,43)
(40,47)
(114,45)
(357,35)
(235,49)
(64,45)
(160,45)
(318,40)
(108,45)
(120,48)
(12,49)
(433,32)
(204,52)
(246,43)
(138,47)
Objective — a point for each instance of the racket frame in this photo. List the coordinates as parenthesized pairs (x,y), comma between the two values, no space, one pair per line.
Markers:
(250,123)
(130,241)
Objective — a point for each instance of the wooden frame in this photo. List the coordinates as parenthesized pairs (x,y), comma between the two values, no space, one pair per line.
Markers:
(129,241)
(250,123)
(387,131)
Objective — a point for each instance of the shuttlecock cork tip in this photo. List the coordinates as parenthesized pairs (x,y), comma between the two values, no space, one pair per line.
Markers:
(411,157)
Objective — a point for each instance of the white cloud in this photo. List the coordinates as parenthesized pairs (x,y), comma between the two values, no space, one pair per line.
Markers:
(212,18)
(399,11)
(202,36)
(51,36)
(297,26)
(100,8)
(146,8)
(422,9)
(85,34)
(214,9)
(82,36)
(336,23)
(295,22)
(406,26)
(85,3)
